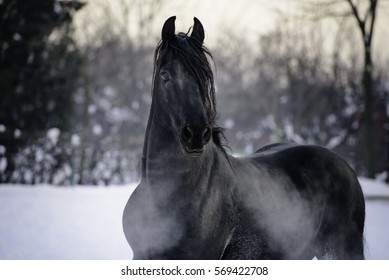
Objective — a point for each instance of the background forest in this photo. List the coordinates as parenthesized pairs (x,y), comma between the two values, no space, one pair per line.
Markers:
(75,82)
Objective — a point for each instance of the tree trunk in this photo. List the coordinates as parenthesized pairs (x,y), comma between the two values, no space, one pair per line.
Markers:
(368,88)
(367,81)
(85,120)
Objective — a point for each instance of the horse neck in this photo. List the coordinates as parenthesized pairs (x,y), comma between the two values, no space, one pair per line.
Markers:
(170,178)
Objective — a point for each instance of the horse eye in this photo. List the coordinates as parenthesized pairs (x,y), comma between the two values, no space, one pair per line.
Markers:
(165,76)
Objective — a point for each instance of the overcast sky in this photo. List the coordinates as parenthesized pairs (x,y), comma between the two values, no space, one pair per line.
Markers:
(247,18)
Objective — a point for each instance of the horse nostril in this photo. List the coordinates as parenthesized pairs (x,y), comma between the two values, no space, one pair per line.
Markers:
(186,134)
(207,134)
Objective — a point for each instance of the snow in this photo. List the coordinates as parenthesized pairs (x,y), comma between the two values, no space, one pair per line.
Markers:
(75,140)
(45,222)
(97,129)
(92,109)
(3,164)
(337,140)
(17,133)
(57,8)
(377,212)
(374,189)
(62,222)
(135,105)
(53,135)
(30,58)
(17,37)
(229,123)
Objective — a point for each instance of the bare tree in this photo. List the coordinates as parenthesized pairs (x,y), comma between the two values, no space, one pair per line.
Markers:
(113,101)
(364,14)
(291,88)
(366,27)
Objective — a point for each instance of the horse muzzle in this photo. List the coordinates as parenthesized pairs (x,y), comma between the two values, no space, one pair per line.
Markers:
(194,139)
(194,152)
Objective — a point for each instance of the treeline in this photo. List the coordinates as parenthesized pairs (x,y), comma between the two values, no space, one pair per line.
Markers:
(75,111)
(297,88)
(39,70)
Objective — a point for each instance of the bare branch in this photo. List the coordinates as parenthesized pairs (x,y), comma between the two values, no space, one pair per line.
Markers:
(373,9)
(355,10)
(361,22)
(327,9)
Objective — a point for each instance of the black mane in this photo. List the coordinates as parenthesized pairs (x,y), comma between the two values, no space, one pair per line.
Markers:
(193,55)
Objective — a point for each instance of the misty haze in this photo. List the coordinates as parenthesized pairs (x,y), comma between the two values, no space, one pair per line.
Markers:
(77,84)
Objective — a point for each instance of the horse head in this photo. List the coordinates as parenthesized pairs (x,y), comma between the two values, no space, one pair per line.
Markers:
(183,90)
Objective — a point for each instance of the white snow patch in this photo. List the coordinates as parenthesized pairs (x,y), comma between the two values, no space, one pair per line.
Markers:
(30,58)
(135,105)
(104,104)
(336,141)
(39,155)
(17,37)
(97,129)
(75,140)
(249,148)
(284,99)
(2,128)
(3,164)
(109,91)
(374,189)
(117,115)
(92,109)
(269,122)
(291,135)
(229,123)
(57,8)
(17,133)
(53,135)
(330,120)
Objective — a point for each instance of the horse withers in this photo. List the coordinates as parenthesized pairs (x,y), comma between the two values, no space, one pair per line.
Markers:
(195,201)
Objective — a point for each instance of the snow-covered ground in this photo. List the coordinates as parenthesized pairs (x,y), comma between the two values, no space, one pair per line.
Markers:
(377,219)
(63,223)
(45,222)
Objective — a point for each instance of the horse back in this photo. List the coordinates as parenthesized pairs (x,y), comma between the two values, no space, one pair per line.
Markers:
(316,173)
(309,167)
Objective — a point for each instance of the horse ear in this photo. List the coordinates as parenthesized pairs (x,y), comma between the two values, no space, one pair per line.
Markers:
(198,31)
(168,29)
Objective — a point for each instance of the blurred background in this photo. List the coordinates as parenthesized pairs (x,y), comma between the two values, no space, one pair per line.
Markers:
(75,81)
(75,94)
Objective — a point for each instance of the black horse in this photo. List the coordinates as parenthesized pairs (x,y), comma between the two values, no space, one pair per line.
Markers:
(195,201)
